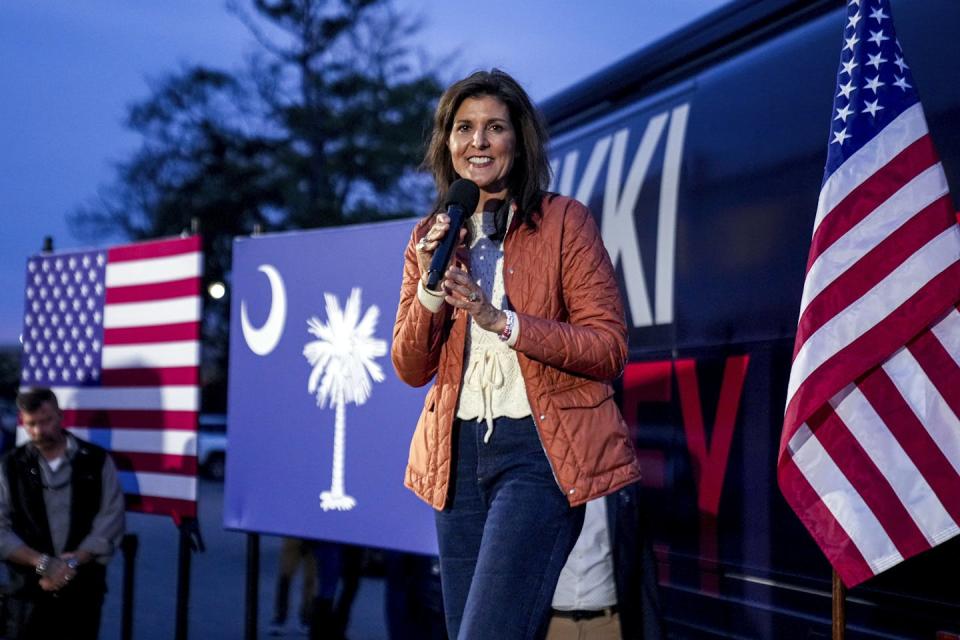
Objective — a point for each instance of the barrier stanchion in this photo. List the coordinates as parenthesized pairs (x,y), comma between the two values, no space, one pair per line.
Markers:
(251,602)
(128,547)
(190,541)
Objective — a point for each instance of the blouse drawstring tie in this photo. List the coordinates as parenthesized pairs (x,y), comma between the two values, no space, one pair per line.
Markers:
(485,375)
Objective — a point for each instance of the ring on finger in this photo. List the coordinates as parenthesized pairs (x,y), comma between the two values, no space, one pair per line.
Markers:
(473,297)
(422,244)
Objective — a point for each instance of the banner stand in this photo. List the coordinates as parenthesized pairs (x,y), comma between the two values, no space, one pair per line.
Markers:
(252,587)
(839,607)
(190,541)
(252,592)
(128,545)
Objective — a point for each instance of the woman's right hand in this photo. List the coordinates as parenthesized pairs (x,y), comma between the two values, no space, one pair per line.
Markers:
(429,243)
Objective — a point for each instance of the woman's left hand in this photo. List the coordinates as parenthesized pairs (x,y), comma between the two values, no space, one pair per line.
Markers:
(463,293)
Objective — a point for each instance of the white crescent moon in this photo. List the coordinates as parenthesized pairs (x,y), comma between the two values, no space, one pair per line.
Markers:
(263,340)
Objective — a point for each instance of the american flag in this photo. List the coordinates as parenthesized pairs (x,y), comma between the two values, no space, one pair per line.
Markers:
(115,333)
(870,452)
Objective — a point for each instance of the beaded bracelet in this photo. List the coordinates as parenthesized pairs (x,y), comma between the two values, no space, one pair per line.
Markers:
(508,327)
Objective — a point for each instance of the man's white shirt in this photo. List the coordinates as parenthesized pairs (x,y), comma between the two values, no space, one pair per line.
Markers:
(587,580)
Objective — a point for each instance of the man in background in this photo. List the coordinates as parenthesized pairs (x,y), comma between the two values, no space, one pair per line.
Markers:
(61,517)
(294,554)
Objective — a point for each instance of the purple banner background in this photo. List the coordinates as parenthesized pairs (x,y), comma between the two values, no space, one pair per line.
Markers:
(280,442)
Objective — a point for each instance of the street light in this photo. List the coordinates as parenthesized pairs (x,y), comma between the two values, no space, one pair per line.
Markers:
(216,290)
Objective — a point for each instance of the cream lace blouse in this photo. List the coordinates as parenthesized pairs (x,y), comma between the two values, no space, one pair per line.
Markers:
(492,384)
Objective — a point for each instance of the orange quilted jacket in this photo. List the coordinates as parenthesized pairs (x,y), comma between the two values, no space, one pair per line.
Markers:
(572,343)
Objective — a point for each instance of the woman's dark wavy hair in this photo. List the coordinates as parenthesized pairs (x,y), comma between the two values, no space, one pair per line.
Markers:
(530,174)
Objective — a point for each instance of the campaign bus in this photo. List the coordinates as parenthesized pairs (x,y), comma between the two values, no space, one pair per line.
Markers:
(702,157)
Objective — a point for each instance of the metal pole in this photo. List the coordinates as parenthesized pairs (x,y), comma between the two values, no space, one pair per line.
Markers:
(128,546)
(839,607)
(253,584)
(188,528)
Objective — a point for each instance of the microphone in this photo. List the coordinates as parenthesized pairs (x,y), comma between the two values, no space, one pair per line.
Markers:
(462,199)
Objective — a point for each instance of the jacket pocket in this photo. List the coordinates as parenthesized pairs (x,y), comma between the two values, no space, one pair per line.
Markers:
(430,401)
(423,436)
(595,431)
(587,395)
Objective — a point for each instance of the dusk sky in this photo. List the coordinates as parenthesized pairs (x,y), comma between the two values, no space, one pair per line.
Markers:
(71,68)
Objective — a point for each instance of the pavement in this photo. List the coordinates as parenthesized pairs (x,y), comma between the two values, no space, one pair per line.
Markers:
(217,584)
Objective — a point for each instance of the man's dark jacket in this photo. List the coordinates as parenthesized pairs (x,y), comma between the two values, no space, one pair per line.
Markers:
(634,566)
(28,514)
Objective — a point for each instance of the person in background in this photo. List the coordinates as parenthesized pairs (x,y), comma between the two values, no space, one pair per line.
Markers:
(61,518)
(339,569)
(608,588)
(294,554)
(413,597)
(520,428)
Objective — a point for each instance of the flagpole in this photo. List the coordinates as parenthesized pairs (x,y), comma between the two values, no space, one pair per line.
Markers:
(839,607)
(190,541)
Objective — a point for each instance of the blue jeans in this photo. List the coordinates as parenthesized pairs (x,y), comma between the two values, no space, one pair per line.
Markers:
(505,534)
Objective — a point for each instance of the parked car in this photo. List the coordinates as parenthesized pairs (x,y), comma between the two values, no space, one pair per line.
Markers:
(212,445)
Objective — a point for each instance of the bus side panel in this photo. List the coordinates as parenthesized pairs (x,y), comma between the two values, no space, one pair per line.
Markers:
(706,194)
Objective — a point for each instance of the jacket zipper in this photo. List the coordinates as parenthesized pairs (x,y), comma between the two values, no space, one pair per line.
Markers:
(536,423)
(549,461)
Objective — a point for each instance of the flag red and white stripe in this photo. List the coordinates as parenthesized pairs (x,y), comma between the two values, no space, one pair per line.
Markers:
(140,399)
(870,452)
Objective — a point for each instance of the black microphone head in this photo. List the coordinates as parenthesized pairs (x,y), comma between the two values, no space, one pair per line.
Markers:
(465,194)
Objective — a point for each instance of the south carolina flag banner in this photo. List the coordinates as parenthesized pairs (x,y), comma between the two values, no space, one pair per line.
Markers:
(116,334)
(870,452)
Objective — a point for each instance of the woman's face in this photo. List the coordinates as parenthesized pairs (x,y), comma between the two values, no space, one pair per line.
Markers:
(482,143)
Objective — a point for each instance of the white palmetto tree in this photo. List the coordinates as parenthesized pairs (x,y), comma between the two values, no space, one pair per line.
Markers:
(343,371)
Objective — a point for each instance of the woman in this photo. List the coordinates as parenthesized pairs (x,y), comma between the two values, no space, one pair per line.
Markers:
(520,428)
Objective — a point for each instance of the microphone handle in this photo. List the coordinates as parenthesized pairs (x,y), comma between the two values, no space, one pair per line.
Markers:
(443,252)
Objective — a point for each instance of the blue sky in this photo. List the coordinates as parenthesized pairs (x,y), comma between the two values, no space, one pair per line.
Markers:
(70,69)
